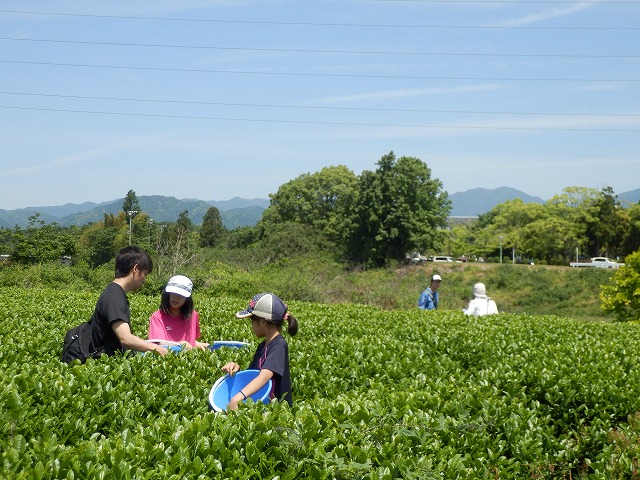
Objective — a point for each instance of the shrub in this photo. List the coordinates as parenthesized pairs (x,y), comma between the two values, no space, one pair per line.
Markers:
(623,297)
(377,394)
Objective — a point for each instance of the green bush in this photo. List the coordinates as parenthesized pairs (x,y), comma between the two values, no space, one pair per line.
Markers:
(377,394)
(51,274)
(623,297)
(316,277)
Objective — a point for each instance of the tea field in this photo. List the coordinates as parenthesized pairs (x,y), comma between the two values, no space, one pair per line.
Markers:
(377,394)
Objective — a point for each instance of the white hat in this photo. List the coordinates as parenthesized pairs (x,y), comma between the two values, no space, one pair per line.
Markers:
(179,284)
(479,290)
(436,278)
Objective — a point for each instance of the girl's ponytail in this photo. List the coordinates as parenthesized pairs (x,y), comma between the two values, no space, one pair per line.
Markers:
(292,324)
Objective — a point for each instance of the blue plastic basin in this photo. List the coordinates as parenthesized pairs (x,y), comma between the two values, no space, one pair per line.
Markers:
(228,385)
(227,343)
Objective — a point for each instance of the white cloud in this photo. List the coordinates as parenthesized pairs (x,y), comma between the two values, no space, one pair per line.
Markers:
(605,87)
(84,156)
(546,15)
(404,93)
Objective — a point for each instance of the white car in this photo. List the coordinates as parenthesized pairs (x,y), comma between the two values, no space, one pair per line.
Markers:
(600,262)
(415,257)
(442,259)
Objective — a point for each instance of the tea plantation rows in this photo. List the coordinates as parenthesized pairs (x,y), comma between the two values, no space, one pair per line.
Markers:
(377,394)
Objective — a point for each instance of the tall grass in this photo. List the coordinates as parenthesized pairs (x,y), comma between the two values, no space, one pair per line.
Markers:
(532,289)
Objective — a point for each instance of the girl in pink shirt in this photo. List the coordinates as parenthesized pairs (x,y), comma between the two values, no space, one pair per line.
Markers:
(176,321)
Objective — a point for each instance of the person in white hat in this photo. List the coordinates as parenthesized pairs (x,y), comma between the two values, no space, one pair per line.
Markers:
(429,298)
(481,304)
(176,321)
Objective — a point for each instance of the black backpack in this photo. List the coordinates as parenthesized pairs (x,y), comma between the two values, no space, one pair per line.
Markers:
(77,344)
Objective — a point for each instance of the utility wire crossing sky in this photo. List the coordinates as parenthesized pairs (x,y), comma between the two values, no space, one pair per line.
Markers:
(218,99)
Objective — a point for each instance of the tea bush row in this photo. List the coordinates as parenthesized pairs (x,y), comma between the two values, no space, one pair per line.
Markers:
(377,394)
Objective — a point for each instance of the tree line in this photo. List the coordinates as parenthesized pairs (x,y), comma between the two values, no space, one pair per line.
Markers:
(579,220)
(369,220)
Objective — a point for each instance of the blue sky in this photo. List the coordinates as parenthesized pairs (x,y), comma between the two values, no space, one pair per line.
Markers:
(218,99)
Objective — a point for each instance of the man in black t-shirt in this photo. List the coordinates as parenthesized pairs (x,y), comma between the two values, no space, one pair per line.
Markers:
(111,319)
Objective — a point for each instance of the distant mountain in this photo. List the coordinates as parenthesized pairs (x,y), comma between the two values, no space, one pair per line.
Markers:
(237,202)
(236,212)
(628,198)
(20,216)
(240,212)
(241,217)
(480,200)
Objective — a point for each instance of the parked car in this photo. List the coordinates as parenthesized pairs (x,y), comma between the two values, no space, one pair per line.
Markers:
(415,257)
(598,262)
(441,258)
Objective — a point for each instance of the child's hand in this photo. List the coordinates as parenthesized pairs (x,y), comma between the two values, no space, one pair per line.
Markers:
(233,403)
(202,346)
(161,350)
(231,368)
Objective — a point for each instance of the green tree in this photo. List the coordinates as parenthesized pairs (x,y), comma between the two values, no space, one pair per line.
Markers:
(241,237)
(550,239)
(572,200)
(399,208)
(102,248)
(102,240)
(509,219)
(175,249)
(6,241)
(461,241)
(41,242)
(184,223)
(291,239)
(130,203)
(631,242)
(622,299)
(575,207)
(608,226)
(212,229)
(322,200)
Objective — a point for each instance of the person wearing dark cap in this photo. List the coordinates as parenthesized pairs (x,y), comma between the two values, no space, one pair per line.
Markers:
(267,313)
(429,297)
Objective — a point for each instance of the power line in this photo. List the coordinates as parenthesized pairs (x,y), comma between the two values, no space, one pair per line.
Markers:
(362,25)
(314,107)
(540,2)
(325,75)
(308,122)
(300,50)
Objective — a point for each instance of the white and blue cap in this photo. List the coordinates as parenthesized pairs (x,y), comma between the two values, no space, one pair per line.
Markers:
(179,284)
(264,305)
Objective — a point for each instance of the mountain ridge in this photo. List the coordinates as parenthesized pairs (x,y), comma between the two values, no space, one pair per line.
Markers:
(239,212)
(235,212)
(481,200)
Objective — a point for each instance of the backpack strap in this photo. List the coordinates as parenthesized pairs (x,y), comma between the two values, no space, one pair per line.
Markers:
(433,299)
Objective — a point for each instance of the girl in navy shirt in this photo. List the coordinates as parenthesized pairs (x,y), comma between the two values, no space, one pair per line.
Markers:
(267,313)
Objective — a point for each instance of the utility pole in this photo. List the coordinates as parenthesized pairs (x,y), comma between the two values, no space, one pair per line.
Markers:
(131,213)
